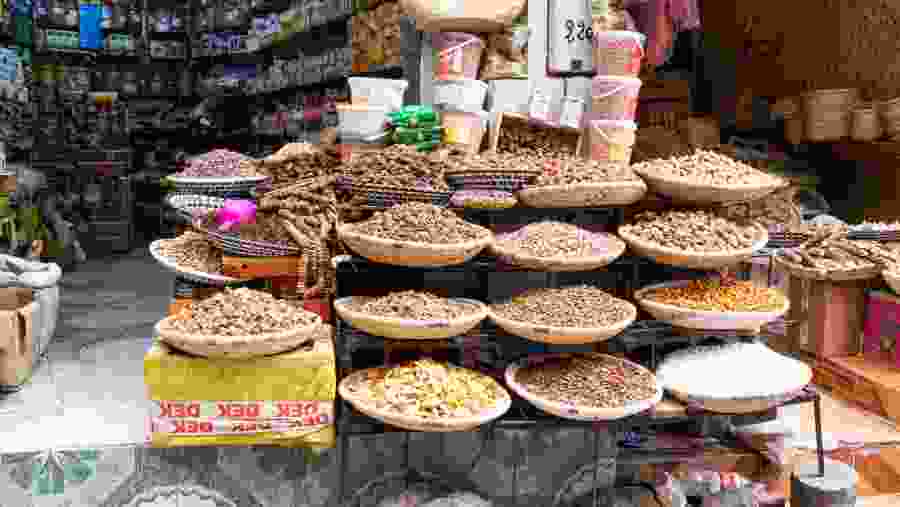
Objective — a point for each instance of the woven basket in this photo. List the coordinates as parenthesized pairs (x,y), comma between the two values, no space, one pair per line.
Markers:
(892,279)
(570,410)
(236,346)
(187,203)
(807,273)
(596,260)
(193,276)
(385,197)
(682,190)
(688,259)
(705,319)
(408,253)
(217,186)
(408,329)
(889,112)
(828,113)
(584,195)
(733,406)
(416,423)
(503,182)
(232,244)
(563,335)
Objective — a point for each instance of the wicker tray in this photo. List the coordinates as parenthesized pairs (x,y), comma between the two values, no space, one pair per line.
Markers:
(503,182)
(570,410)
(408,253)
(408,329)
(588,195)
(807,273)
(698,193)
(416,423)
(705,319)
(217,186)
(232,244)
(563,263)
(692,260)
(385,197)
(563,335)
(187,274)
(236,346)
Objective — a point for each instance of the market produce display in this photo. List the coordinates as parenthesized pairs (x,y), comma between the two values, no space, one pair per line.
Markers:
(191,256)
(425,395)
(713,304)
(238,323)
(297,162)
(836,258)
(584,386)
(749,377)
(574,182)
(706,177)
(218,164)
(517,135)
(570,315)
(483,199)
(308,210)
(411,315)
(692,238)
(557,246)
(397,166)
(417,235)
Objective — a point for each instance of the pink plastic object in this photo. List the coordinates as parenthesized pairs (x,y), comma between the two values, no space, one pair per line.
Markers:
(882,329)
(234,213)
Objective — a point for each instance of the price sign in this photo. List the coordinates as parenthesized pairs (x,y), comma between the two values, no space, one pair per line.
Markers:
(570,45)
(539,107)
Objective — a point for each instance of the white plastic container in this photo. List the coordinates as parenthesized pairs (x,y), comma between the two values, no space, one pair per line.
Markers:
(378,92)
(361,122)
(464,130)
(464,95)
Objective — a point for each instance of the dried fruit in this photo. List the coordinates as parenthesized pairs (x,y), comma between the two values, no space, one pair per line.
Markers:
(694,231)
(421,223)
(714,295)
(241,312)
(410,304)
(579,307)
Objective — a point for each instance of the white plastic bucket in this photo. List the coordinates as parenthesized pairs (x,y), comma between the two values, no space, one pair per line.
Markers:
(464,130)
(615,98)
(618,53)
(464,95)
(611,140)
(361,122)
(458,55)
(378,92)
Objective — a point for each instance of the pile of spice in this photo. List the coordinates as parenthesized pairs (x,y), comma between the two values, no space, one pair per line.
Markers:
(703,166)
(241,312)
(410,304)
(558,239)
(695,231)
(588,380)
(193,252)
(575,171)
(397,166)
(428,389)
(579,307)
(421,223)
(219,164)
(718,296)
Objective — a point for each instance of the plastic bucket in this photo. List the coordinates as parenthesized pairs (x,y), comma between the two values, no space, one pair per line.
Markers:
(464,130)
(361,121)
(618,53)
(612,141)
(457,55)
(615,98)
(378,92)
(466,95)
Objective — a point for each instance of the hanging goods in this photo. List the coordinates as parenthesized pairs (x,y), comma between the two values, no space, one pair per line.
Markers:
(570,38)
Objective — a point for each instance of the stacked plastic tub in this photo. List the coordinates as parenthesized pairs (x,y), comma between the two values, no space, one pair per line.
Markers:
(362,124)
(614,95)
(458,94)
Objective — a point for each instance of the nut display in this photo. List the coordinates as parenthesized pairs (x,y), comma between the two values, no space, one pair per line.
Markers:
(573,171)
(578,307)
(309,208)
(707,167)
(398,166)
(557,239)
(517,135)
(774,210)
(241,312)
(219,164)
(719,296)
(460,162)
(694,231)
(421,223)
(192,251)
(483,199)
(588,380)
(428,389)
(410,304)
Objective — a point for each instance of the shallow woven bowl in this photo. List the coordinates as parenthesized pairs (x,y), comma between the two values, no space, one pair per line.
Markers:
(561,263)
(236,346)
(586,195)
(684,191)
(570,410)
(893,280)
(705,319)
(563,335)
(217,186)
(692,260)
(416,423)
(194,276)
(409,329)
(844,275)
(408,253)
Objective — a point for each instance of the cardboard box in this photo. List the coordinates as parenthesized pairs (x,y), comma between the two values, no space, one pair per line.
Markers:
(826,318)
(27,322)
(868,383)
(882,326)
(283,400)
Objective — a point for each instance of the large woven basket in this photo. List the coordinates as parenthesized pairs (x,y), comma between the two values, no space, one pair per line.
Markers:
(692,260)
(685,191)
(866,273)
(236,346)
(416,423)
(563,335)
(187,204)
(217,186)
(409,329)
(734,406)
(408,253)
(217,280)
(596,260)
(586,195)
(232,244)
(377,196)
(503,182)
(571,410)
(705,319)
